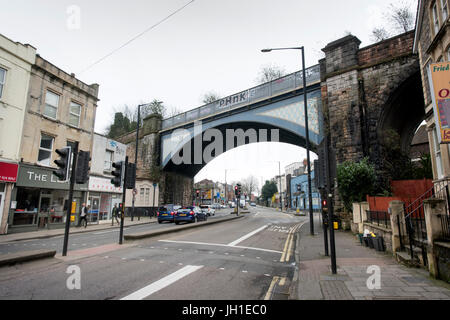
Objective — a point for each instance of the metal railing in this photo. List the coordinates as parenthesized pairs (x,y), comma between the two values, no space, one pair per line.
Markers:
(380,218)
(274,88)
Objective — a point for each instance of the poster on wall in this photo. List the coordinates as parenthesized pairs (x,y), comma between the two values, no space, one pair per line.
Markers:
(439,73)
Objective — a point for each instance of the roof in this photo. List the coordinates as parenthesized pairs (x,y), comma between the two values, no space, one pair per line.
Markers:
(421,136)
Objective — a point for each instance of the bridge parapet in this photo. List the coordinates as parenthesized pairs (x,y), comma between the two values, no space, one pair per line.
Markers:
(262,92)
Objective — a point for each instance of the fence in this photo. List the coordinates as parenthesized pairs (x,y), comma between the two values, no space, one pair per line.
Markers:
(443,192)
(380,218)
(264,91)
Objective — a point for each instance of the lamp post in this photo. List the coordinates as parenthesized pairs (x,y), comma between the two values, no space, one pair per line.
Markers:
(311,214)
(136,154)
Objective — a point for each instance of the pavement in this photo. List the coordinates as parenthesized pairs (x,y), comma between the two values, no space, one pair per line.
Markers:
(45,233)
(313,279)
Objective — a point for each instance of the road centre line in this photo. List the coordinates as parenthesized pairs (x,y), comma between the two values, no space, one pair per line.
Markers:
(162,283)
(232,244)
(220,245)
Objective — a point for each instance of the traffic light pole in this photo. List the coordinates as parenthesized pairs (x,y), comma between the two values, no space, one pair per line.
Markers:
(122,217)
(330,208)
(69,205)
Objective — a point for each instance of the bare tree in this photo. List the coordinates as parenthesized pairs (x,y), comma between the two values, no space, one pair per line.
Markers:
(269,73)
(250,185)
(401,17)
(380,34)
(210,97)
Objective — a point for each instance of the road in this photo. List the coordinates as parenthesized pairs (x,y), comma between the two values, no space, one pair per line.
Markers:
(245,259)
(88,239)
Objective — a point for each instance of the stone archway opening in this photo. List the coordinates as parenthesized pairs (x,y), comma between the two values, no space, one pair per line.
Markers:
(403,114)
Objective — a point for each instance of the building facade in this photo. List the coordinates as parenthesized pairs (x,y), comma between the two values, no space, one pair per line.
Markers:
(432,44)
(102,194)
(60,111)
(16,60)
(299,193)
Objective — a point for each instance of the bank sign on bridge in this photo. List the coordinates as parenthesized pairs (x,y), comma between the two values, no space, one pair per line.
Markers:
(278,104)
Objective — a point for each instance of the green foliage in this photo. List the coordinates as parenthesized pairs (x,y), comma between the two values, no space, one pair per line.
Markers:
(424,170)
(355,181)
(121,126)
(268,190)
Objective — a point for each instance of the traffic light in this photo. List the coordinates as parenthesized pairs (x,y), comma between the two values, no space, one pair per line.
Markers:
(118,173)
(324,203)
(63,163)
(239,189)
(198,193)
(131,176)
(82,172)
(236,190)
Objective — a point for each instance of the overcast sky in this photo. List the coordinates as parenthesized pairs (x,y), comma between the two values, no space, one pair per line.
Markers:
(211,45)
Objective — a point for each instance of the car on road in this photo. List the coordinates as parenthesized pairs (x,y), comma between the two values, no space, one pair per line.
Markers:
(166,213)
(253,204)
(216,206)
(208,210)
(189,214)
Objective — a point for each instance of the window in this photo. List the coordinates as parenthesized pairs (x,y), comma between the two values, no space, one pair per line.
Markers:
(147,195)
(2,80)
(444,7)
(71,144)
(108,160)
(74,116)
(45,150)
(435,18)
(142,194)
(51,104)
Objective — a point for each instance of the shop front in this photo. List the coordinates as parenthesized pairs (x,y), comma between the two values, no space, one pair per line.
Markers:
(101,199)
(40,201)
(8,177)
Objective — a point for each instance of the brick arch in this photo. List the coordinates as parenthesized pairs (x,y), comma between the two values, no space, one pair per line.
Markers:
(403,110)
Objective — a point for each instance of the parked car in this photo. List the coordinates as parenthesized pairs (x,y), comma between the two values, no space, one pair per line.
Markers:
(208,210)
(166,213)
(189,214)
(253,204)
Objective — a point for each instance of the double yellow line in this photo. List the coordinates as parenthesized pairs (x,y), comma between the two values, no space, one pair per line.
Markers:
(287,251)
(281,282)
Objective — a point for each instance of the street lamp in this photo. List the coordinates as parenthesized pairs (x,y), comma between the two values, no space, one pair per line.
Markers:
(136,154)
(311,214)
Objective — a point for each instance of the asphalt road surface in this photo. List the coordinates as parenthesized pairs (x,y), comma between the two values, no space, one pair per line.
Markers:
(245,259)
(88,239)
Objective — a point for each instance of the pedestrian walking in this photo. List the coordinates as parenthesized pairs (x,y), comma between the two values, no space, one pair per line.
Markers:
(83,215)
(115,215)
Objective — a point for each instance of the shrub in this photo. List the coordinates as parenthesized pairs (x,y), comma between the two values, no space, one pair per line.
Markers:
(355,181)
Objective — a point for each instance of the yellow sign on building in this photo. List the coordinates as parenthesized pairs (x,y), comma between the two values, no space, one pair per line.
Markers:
(439,75)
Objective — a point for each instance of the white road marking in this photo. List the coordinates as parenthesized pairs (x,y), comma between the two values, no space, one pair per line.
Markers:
(161,284)
(232,244)
(221,245)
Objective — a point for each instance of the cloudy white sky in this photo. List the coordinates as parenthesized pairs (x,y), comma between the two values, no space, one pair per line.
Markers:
(211,45)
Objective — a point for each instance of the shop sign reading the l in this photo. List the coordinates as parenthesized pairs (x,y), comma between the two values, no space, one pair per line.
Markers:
(439,75)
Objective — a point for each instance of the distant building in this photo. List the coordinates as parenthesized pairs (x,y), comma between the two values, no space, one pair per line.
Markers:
(299,193)
(293,168)
(16,61)
(102,194)
(60,111)
(420,144)
(432,44)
